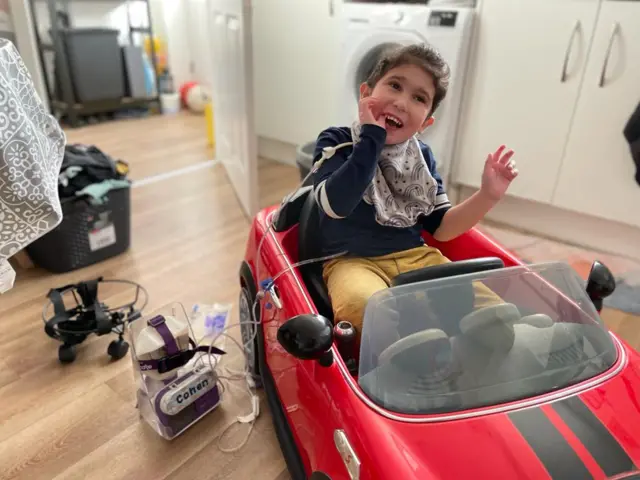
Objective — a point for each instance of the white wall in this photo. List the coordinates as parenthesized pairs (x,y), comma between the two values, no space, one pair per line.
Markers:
(26,44)
(6,22)
(198,18)
(177,37)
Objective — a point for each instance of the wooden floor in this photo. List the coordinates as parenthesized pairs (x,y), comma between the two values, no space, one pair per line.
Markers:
(154,145)
(78,421)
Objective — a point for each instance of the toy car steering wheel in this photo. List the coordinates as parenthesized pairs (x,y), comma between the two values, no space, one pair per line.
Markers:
(424,352)
(492,326)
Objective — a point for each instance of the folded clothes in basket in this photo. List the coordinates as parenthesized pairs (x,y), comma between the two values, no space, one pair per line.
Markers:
(98,191)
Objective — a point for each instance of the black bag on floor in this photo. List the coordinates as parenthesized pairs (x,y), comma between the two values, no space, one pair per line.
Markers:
(84,165)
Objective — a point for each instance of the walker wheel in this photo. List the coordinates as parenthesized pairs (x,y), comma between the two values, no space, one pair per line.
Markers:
(118,349)
(66,353)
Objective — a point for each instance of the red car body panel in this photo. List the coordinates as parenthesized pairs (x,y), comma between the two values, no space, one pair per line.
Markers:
(594,433)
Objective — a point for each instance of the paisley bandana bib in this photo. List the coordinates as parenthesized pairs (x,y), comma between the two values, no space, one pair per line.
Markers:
(402,188)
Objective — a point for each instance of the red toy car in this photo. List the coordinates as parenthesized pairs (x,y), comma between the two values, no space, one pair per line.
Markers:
(535,388)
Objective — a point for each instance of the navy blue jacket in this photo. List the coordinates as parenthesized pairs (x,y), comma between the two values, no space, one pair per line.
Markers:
(632,134)
(347,222)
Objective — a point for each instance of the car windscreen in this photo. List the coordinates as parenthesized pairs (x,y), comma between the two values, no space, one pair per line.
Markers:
(482,339)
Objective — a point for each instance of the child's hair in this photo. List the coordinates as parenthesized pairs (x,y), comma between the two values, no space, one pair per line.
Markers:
(422,55)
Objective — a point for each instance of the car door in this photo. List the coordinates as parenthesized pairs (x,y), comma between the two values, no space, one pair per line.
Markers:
(303,386)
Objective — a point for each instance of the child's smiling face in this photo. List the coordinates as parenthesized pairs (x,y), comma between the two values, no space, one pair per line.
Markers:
(407,92)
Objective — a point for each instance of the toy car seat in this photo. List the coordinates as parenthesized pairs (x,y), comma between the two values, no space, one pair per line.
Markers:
(309,247)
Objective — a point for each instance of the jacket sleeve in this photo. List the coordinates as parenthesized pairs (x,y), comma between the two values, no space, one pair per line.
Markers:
(432,221)
(341,180)
(632,128)
(632,134)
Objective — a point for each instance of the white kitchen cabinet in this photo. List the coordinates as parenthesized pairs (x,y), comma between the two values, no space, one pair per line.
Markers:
(524,82)
(296,60)
(597,174)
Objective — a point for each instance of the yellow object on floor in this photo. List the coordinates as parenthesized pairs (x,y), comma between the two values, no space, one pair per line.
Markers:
(208,115)
(122,167)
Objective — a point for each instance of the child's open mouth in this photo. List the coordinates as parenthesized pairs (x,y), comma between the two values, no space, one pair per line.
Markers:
(393,122)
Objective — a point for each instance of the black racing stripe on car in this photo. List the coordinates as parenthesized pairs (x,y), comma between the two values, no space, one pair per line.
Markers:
(593,434)
(553,450)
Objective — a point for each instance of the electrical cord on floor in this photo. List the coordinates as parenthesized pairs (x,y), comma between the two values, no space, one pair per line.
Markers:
(225,376)
(245,374)
(266,287)
(250,418)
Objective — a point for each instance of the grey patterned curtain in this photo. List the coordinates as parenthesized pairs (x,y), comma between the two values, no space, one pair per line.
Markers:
(31,151)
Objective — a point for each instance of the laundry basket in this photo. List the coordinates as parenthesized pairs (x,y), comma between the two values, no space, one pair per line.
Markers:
(89,233)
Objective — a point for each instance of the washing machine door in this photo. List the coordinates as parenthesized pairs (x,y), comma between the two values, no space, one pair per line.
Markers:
(365,48)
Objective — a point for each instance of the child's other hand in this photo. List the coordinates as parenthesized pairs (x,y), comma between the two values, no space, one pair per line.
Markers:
(499,172)
(370,111)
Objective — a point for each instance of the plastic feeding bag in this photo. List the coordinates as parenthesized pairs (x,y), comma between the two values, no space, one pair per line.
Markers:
(31,151)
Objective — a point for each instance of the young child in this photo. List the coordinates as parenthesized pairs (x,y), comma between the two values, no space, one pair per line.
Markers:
(376,196)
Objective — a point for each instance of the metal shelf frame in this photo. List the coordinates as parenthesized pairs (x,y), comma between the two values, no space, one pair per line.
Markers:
(66,104)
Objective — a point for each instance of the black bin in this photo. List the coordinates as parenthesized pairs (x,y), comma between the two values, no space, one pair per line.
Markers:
(87,234)
(96,65)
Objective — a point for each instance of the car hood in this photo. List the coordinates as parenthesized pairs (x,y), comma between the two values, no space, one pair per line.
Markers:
(595,434)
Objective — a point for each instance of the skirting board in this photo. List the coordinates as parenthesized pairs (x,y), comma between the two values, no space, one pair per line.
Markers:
(566,226)
(276,150)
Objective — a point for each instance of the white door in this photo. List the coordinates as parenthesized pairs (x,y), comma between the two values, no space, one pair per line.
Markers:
(233,97)
(520,92)
(200,45)
(597,175)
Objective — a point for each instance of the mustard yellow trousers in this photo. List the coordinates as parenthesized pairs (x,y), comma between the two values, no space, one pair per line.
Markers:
(351,281)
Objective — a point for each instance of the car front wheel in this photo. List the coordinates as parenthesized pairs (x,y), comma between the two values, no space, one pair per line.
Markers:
(249,335)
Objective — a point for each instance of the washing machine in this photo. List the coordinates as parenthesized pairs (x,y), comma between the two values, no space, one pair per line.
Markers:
(372,26)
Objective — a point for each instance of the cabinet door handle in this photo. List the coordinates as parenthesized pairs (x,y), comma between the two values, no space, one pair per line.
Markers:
(331,8)
(567,54)
(603,74)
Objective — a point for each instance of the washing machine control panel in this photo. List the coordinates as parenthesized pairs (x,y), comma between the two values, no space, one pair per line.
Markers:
(443,18)
(431,3)
(418,2)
